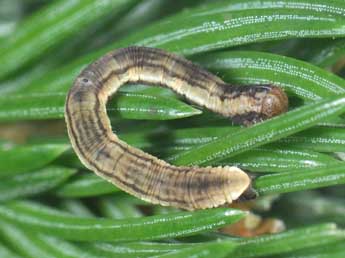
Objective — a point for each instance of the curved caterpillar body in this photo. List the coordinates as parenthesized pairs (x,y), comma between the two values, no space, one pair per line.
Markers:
(144,175)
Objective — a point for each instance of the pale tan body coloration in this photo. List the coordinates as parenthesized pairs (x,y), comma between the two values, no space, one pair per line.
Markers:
(142,174)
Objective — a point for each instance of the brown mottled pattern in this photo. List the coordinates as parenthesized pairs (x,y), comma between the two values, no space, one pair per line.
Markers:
(139,173)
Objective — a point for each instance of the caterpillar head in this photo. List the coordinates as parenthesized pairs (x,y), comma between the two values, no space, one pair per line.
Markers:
(274,103)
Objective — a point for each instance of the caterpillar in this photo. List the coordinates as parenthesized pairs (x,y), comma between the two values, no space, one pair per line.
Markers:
(138,172)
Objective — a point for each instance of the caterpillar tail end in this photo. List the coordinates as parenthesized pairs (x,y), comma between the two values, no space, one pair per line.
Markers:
(239,179)
(211,187)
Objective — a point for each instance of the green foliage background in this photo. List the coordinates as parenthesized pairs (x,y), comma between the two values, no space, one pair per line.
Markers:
(52,207)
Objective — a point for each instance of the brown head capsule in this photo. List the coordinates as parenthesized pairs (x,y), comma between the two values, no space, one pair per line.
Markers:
(140,173)
(274,103)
